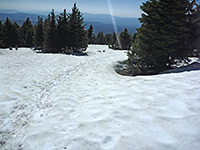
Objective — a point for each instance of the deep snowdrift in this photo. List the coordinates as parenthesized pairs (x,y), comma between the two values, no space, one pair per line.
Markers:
(55,101)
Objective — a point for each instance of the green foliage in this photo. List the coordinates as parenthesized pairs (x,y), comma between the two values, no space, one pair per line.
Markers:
(50,44)
(108,39)
(114,44)
(90,35)
(195,26)
(10,34)
(53,36)
(163,37)
(78,36)
(63,30)
(100,38)
(26,33)
(16,36)
(134,37)
(114,37)
(38,38)
(1,34)
(125,39)
(7,33)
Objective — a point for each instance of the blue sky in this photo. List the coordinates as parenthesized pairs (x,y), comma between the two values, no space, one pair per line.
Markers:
(123,8)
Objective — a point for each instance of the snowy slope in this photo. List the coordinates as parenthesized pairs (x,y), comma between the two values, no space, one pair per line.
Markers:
(55,102)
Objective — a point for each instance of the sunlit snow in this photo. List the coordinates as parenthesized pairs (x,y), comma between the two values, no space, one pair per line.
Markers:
(57,101)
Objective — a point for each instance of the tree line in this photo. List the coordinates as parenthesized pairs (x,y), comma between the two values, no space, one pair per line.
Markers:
(59,33)
(170,32)
(53,35)
(125,37)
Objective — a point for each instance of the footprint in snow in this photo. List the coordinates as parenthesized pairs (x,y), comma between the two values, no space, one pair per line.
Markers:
(107,142)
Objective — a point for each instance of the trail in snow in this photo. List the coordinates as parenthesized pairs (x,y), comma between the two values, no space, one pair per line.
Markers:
(68,102)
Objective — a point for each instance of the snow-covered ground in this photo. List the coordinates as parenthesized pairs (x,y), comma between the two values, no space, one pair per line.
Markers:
(55,102)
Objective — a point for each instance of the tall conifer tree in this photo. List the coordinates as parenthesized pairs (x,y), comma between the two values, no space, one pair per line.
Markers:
(100,38)
(63,30)
(90,35)
(197,31)
(114,41)
(10,34)
(163,37)
(26,33)
(16,36)
(1,34)
(7,33)
(50,44)
(38,38)
(108,39)
(125,39)
(134,37)
(195,26)
(78,36)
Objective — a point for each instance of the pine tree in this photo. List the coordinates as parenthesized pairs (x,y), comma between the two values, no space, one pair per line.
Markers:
(50,44)
(108,39)
(63,30)
(10,34)
(38,38)
(16,37)
(195,27)
(1,35)
(114,37)
(125,39)
(114,44)
(46,21)
(163,37)
(26,33)
(7,33)
(78,36)
(90,35)
(95,39)
(100,38)
(134,37)
(197,31)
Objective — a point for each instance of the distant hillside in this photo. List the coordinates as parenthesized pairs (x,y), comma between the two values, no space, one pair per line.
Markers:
(101,22)
(20,17)
(108,28)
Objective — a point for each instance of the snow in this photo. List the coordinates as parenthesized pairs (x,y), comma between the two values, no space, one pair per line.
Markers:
(56,101)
